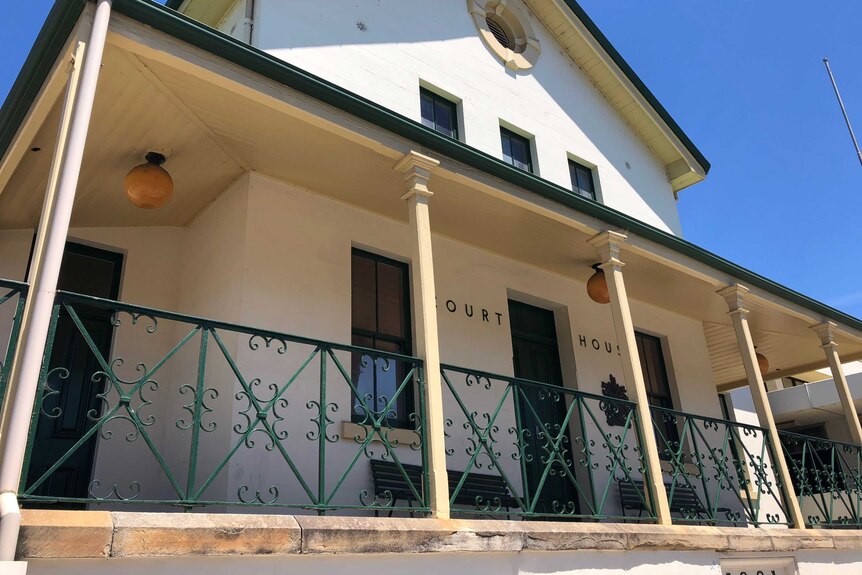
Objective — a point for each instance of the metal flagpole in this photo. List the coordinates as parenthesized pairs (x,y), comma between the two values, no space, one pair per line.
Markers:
(843,110)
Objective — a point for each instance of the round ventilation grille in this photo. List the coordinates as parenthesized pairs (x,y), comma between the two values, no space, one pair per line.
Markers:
(506,31)
(499,33)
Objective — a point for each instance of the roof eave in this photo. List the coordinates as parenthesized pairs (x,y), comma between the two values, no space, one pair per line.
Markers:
(58,27)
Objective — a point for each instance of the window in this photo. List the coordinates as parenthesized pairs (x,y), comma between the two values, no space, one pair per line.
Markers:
(794,381)
(380,320)
(657,387)
(811,459)
(516,150)
(582,180)
(438,113)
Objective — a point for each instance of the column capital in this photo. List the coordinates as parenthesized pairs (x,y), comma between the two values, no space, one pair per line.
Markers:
(826,332)
(734,295)
(416,169)
(609,244)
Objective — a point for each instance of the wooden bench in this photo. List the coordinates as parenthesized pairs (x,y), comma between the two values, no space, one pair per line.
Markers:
(685,501)
(388,478)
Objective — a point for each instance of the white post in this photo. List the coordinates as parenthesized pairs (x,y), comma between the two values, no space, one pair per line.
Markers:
(608,245)
(734,295)
(826,332)
(417,169)
(44,272)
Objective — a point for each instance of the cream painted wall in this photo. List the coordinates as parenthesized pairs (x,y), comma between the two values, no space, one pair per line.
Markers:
(275,257)
(297,280)
(384,50)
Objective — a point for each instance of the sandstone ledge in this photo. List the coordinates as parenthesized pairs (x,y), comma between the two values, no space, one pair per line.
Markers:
(98,534)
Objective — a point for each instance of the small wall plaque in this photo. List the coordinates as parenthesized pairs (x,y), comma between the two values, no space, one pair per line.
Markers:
(758,566)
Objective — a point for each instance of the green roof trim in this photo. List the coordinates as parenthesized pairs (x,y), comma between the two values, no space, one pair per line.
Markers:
(638,83)
(196,34)
(49,43)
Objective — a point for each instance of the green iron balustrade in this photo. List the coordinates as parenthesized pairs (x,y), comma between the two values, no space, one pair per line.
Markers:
(827,478)
(558,453)
(721,472)
(143,406)
(13,294)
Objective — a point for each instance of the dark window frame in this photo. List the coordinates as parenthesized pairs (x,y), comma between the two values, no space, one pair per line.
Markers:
(438,100)
(407,406)
(528,148)
(574,176)
(662,398)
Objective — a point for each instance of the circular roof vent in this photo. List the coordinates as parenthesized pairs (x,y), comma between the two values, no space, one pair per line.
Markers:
(499,32)
(507,32)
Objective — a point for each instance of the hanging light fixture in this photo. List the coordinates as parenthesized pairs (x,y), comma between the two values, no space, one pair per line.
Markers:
(149,185)
(762,362)
(597,286)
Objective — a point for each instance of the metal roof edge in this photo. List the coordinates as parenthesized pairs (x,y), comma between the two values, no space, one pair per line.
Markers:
(201,36)
(49,44)
(626,69)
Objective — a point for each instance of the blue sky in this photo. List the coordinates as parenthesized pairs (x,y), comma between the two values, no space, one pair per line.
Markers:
(746,81)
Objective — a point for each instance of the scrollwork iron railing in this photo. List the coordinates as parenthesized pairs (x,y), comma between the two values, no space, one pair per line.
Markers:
(827,479)
(556,450)
(13,294)
(143,406)
(721,471)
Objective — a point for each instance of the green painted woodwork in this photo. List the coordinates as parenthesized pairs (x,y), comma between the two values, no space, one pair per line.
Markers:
(582,449)
(12,295)
(727,467)
(827,474)
(184,413)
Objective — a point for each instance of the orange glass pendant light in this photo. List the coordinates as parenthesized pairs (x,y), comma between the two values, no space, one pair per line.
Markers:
(149,185)
(762,363)
(597,286)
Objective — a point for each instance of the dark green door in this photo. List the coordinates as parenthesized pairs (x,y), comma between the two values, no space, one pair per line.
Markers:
(542,413)
(64,418)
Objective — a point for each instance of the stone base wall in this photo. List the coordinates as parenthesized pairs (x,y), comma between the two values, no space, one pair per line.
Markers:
(95,542)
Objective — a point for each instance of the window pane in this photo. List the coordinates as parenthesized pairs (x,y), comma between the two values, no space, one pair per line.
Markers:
(654,370)
(363,300)
(443,118)
(519,152)
(585,183)
(516,150)
(390,374)
(390,299)
(582,180)
(363,377)
(427,105)
(507,147)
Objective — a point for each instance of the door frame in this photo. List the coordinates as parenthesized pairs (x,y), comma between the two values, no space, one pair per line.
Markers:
(560,339)
(118,258)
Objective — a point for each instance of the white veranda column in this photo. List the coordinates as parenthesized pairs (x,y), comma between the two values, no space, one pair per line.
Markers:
(826,332)
(608,245)
(45,270)
(734,295)
(417,169)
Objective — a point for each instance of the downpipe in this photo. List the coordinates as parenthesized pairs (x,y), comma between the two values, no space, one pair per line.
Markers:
(248,22)
(10,524)
(60,197)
